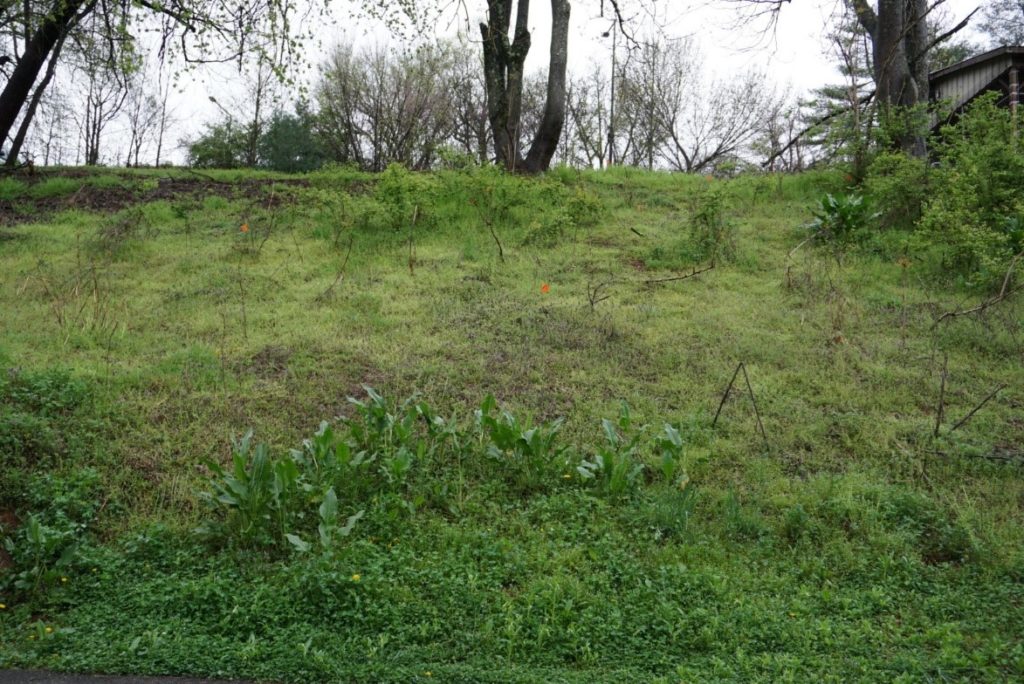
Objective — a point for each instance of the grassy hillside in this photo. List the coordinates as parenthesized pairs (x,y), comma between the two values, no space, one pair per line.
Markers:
(151,317)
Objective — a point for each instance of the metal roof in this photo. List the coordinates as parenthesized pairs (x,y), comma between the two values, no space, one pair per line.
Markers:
(1011,50)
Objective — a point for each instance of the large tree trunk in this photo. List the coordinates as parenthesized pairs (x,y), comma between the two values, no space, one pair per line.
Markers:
(37,96)
(36,52)
(545,142)
(503,78)
(899,41)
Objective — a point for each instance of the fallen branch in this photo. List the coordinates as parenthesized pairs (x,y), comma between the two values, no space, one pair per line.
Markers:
(595,295)
(695,272)
(940,411)
(977,408)
(1004,292)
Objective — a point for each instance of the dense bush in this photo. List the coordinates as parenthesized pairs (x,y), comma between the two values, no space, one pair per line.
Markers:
(977,206)
(899,186)
(288,144)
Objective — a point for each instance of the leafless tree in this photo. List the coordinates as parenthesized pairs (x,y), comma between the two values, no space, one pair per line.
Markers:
(1003,22)
(587,100)
(901,44)
(379,105)
(684,116)
(100,79)
(143,110)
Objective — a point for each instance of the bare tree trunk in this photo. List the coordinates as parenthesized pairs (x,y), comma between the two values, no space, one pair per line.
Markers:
(899,41)
(26,121)
(545,143)
(26,71)
(503,76)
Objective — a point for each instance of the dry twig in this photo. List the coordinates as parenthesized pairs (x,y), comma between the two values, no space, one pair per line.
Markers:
(341,272)
(1004,292)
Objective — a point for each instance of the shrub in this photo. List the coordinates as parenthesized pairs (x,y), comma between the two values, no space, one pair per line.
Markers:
(406,196)
(258,499)
(977,206)
(898,185)
(712,232)
(840,220)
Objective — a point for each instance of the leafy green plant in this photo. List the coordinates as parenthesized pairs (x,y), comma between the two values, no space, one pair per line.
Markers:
(839,219)
(48,392)
(259,498)
(615,469)
(62,510)
(40,553)
(389,434)
(531,455)
(45,415)
(938,535)
(331,212)
(405,195)
(329,461)
(667,512)
(712,232)
(669,444)
(328,530)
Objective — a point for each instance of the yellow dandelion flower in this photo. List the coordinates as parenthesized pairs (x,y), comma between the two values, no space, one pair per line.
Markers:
(356,577)
(3,606)
(63,580)
(428,673)
(49,630)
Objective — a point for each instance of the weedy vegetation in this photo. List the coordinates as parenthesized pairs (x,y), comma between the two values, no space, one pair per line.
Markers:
(461,426)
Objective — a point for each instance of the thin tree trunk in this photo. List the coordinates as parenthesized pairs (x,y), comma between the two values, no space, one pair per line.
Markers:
(37,96)
(25,73)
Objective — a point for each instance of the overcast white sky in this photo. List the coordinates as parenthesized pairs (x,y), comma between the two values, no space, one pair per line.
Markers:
(795,54)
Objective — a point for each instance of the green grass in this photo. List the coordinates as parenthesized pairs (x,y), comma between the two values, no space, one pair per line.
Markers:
(854,545)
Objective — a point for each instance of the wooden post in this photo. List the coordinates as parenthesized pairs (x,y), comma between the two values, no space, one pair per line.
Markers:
(1014,89)
(1014,98)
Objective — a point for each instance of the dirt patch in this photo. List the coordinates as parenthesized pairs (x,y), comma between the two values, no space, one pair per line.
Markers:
(113,198)
(268,363)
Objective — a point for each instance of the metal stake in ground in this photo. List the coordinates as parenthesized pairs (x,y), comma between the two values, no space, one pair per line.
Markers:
(753,400)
